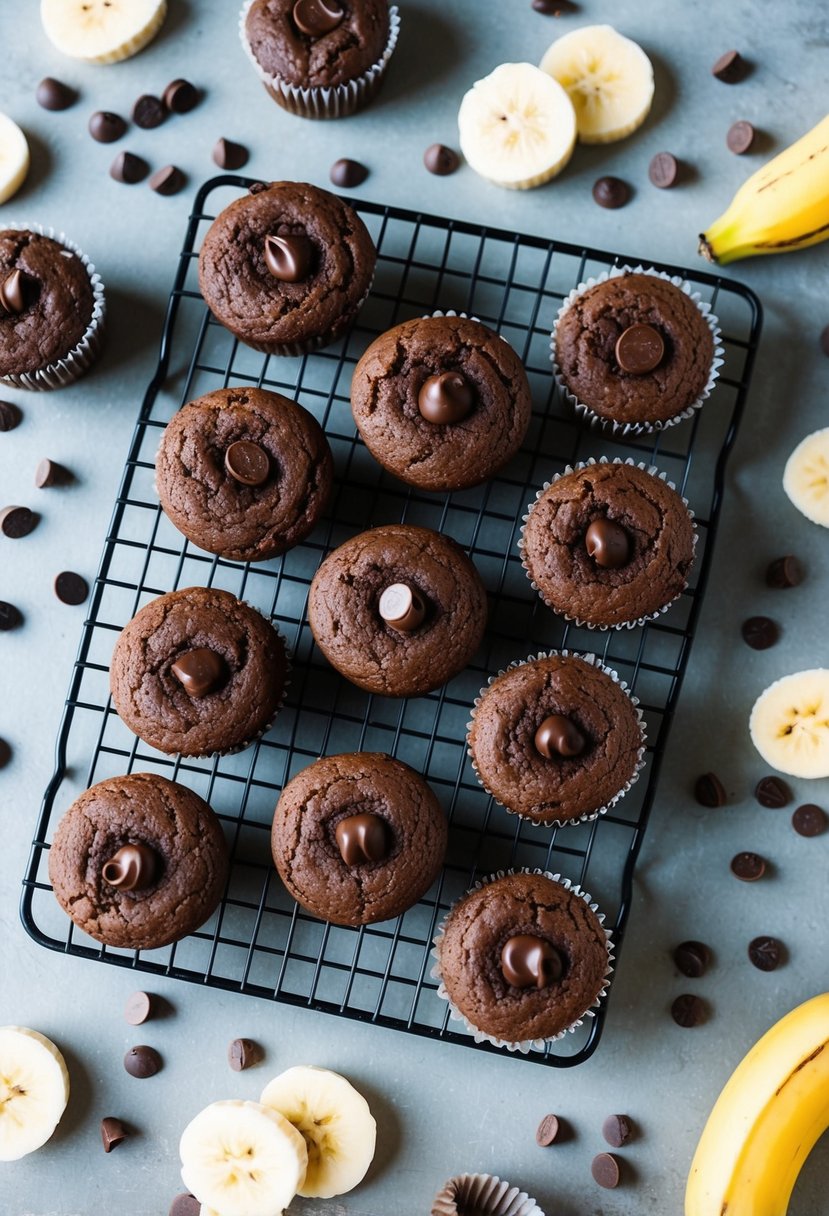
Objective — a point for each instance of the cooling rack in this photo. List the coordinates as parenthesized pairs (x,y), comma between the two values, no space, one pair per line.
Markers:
(259,941)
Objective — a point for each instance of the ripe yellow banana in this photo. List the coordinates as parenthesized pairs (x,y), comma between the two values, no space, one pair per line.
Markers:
(784,206)
(766,1121)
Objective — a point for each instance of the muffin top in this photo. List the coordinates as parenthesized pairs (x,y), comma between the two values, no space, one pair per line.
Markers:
(317,43)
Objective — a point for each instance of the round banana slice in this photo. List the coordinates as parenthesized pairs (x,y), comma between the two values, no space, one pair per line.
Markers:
(517,127)
(608,78)
(242,1159)
(335,1122)
(34,1090)
(14,158)
(789,724)
(806,477)
(102,31)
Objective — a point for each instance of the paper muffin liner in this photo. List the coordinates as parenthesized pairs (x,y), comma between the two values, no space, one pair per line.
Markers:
(594,661)
(79,359)
(316,101)
(526,1045)
(483,1194)
(574,468)
(597,421)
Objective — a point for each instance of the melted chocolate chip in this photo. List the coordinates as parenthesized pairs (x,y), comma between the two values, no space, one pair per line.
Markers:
(528,961)
(608,544)
(558,736)
(132,868)
(639,349)
(317,17)
(445,398)
(16,293)
(199,671)
(362,839)
(288,258)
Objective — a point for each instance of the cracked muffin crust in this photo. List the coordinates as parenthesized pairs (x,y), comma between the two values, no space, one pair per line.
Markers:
(469,954)
(555,788)
(282,49)
(217,511)
(271,314)
(659,535)
(173,710)
(306,851)
(344,610)
(441,456)
(185,837)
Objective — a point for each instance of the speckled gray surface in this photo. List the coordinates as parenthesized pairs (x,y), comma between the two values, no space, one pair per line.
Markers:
(441,1109)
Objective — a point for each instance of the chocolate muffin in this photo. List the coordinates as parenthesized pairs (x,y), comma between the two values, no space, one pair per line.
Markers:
(138,861)
(198,671)
(51,310)
(442,402)
(557,738)
(286,267)
(244,473)
(636,350)
(320,60)
(358,838)
(522,959)
(608,544)
(398,610)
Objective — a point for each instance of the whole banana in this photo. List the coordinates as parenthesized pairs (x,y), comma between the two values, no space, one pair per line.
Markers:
(766,1121)
(784,206)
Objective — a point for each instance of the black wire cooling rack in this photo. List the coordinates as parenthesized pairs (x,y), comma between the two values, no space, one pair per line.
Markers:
(259,941)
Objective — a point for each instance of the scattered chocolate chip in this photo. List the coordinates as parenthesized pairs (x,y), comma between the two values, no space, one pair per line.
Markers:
(772,792)
(729,68)
(441,160)
(760,632)
(5,753)
(689,1010)
(809,820)
(142,1062)
(710,791)
(16,522)
(148,112)
(10,617)
(50,473)
(554,8)
(617,1130)
(168,180)
(180,97)
(611,192)
(243,1053)
(185,1205)
(692,959)
(10,416)
(128,168)
(106,127)
(740,137)
(113,1133)
(55,95)
(348,173)
(824,340)
(605,1170)
(748,867)
(139,1008)
(229,155)
(663,170)
(547,1131)
(71,588)
(766,953)
(784,572)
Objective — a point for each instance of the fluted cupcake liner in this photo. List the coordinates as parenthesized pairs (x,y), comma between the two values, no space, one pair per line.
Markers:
(597,421)
(594,661)
(526,1045)
(575,468)
(79,359)
(316,101)
(483,1194)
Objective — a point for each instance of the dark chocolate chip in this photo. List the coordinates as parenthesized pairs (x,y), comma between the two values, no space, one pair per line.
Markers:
(740,137)
(185,1205)
(605,1170)
(180,97)
(611,192)
(317,17)
(730,67)
(10,416)
(229,155)
(248,463)
(113,1133)
(689,1010)
(289,258)
(558,736)
(71,588)
(16,522)
(441,160)
(348,173)
(608,544)
(617,1130)
(106,127)
(148,112)
(139,1008)
(168,180)
(760,632)
(766,953)
(528,961)
(445,398)
(243,1053)
(16,293)
(784,572)
(199,671)
(709,790)
(50,473)
(5,753)
(547,1131)
(748,867)
(128,168)
(10,617)
(55,95)
(554,8)
(772,792)
(824,340)
(663,170)
(692,959)
(257,188)
(362,839)
(809,820)
(142,1062)
(639,349)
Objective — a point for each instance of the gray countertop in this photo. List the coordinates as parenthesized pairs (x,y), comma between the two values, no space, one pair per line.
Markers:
(441,1109)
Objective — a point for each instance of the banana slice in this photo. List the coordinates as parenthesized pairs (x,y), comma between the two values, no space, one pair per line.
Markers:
(242,1159)
(517,127)
(789,724)
(14,158)
(335,1122)
(34,1090)
(806,477)
(608,78)
(102,31)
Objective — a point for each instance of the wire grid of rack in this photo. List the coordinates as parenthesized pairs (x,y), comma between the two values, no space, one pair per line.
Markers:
(259,941)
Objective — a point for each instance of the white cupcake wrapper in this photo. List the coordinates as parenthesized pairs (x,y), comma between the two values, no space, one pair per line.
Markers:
(594,661)
(596,421)
(485,1194)
(336,101)
(575,468)
(527,1045)
(80,358)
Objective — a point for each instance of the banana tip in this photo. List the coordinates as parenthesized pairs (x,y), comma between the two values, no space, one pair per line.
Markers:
(705,249)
